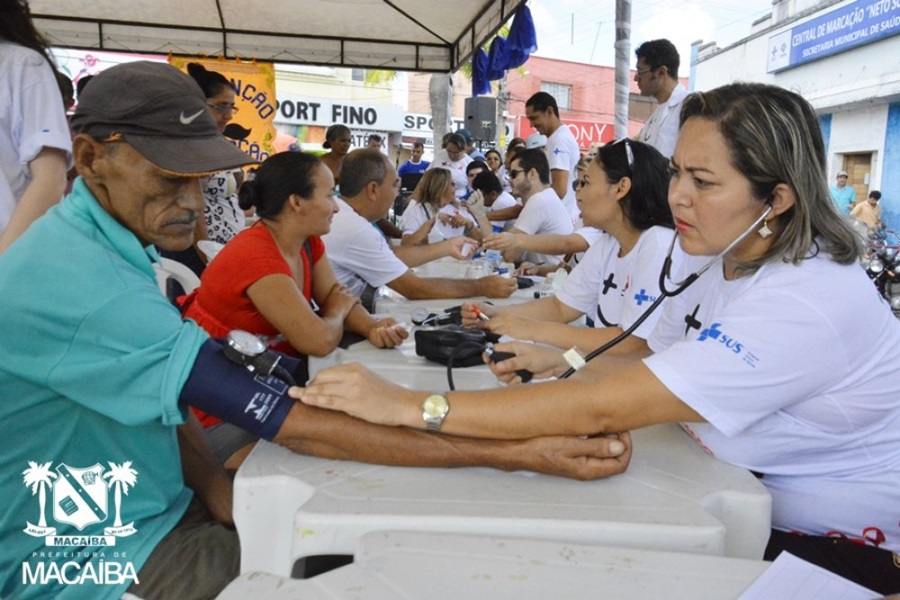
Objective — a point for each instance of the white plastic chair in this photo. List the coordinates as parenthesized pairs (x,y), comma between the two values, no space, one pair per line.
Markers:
(209,248)
(168,269)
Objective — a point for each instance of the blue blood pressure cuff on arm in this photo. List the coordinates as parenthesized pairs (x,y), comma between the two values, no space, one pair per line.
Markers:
(256,403)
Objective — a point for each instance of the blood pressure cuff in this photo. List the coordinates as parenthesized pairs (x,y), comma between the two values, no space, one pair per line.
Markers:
(232,393)
(463,346)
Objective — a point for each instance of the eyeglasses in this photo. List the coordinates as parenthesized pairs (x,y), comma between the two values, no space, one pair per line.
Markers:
(513,173)
(640,72)
(578,184)
(224,108)
(628,153)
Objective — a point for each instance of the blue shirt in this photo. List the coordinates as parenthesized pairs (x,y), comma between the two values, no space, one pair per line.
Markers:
(844,198)
(94,359)
(411,168)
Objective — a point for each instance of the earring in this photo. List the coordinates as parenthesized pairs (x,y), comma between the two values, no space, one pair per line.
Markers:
(764,231)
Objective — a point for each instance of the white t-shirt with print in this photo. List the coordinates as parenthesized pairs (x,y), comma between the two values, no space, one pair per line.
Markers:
(544,213)
(795,370)
(614,291)
(359,253)
(416,214)
(563,154)
(504,200)
(457,169)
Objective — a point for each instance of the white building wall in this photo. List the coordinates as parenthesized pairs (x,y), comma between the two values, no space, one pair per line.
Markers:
(855,87)
(859,130)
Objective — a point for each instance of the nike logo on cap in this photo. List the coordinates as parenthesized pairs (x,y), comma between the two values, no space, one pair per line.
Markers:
(188,120)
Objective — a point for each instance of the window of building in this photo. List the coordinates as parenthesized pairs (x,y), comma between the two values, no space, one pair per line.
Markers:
(560,91)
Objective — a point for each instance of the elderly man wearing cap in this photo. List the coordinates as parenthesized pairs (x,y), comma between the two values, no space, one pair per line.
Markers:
(844,195)
(99,369)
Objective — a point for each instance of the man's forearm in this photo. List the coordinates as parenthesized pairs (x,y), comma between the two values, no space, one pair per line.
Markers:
(426,288)
(202,472)
(329,434)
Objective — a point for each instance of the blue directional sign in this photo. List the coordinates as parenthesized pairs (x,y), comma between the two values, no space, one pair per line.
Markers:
(850,26)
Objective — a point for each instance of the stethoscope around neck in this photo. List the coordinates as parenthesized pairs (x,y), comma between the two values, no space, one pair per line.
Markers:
(665,292)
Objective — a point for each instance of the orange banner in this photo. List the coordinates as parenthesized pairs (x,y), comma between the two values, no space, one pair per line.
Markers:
(251,128)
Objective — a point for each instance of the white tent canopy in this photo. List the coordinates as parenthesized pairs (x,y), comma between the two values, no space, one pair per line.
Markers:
(405,35)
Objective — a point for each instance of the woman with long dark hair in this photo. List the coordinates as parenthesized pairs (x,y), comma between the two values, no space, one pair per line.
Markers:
(622,192)
(35,144)
(274,279)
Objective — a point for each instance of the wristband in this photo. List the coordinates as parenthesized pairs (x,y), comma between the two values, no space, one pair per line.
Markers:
(573,358)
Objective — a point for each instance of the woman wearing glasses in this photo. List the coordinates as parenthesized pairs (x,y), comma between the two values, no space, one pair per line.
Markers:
(223,218)
(622,192)
(780,358)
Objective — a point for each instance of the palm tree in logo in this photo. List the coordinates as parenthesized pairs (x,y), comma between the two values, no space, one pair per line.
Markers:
(39,478)
(123,477)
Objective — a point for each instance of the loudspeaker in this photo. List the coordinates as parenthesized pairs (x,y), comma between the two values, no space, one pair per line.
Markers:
(481,117)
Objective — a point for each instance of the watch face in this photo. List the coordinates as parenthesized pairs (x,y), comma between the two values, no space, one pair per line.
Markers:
(435,406)
(246,343)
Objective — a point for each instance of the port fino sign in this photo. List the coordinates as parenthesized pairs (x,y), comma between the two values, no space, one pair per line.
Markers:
(850,26)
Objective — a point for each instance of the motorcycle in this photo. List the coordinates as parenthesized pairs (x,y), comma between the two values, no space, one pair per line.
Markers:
(882,263)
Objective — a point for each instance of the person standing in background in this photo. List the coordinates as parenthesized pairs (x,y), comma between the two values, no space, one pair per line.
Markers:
(453,157)
(415,164)
(844,195)
(35,145)
(222,217)
(337,141)
(374,141)
(656,74)
(562,149)
(869,212)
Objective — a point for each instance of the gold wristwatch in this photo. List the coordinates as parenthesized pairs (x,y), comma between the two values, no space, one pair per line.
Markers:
(434,410)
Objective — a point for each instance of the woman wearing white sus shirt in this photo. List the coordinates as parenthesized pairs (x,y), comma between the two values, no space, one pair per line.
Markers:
(623,192)
(780,359)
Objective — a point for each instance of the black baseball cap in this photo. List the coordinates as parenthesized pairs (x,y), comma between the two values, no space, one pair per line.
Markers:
(159,111)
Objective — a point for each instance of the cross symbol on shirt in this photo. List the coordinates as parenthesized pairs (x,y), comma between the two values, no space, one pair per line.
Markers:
(641,297)
(557,151)
(692,322)
(608,283)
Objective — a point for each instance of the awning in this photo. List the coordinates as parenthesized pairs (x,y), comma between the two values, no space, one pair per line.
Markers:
(403,35)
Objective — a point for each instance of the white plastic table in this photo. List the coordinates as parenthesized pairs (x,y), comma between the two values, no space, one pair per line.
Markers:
(674,497)
(394,304)
(395,565)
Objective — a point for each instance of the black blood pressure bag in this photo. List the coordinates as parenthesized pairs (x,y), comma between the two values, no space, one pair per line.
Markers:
(443,344)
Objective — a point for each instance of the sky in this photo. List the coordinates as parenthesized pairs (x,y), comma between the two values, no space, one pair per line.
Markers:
(680,21)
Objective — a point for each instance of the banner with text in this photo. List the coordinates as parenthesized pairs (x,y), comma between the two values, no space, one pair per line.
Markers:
(850,26)
(251,128)
(585,132)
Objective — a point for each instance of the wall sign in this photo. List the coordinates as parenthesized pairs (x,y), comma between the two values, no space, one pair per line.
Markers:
(851,26)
